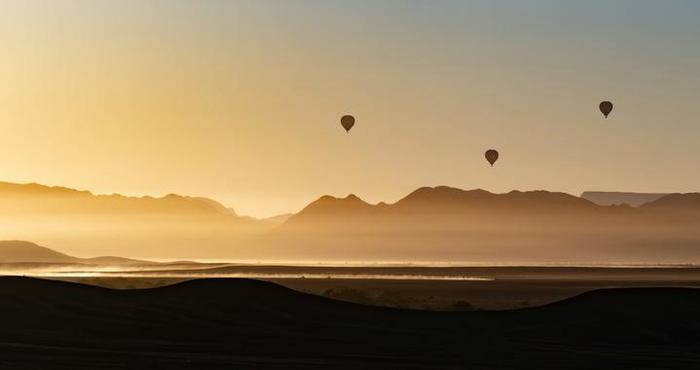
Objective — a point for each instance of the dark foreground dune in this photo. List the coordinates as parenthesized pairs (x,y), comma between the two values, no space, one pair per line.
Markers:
(234,323)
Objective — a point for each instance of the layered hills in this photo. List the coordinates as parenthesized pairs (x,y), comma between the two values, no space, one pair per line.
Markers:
(476,225)
(430,224)
(88,224)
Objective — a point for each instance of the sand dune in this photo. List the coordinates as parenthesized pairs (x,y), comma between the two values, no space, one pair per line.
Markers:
(215,323)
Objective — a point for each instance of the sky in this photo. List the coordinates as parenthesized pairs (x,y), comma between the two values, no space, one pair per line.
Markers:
(240,101)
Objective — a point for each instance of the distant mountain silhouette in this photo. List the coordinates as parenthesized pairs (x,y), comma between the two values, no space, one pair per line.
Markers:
(445,199)
(440,207)
(59,200)
(16,251)
(431,223)
(467,208)
(445,195)
(147,227)
(609,198)
(237,323)
(476,225)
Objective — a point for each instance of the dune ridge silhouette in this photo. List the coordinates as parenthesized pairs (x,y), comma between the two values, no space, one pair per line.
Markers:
(227,322)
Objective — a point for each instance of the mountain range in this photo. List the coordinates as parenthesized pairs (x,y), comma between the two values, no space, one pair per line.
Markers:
(42,200)
(430,224)
(89,224)
(476,225)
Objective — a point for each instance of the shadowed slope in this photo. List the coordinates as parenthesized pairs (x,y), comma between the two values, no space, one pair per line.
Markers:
(215,322)
(609,198)
(678,204)
(28,253)
(14,251)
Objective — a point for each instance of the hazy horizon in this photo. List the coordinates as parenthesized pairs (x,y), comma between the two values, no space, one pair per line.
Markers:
(314,198)
(430,224)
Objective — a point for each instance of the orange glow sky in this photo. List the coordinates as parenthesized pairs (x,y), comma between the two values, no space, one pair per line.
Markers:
(240,101)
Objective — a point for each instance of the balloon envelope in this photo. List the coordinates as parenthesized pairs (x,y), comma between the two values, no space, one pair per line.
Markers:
(491,156)
(347,122)
(606,107)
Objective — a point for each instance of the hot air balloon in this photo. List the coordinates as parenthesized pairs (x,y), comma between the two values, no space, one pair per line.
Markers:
(491,156)
(606,107)
(347,122)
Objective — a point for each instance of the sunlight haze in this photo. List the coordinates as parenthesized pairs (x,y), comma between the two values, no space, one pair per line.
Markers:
(240,101)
